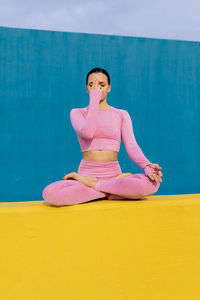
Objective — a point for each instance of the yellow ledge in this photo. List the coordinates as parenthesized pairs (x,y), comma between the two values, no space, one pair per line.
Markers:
(101,250)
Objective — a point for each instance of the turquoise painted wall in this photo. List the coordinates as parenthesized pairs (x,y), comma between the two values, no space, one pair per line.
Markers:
(42,77)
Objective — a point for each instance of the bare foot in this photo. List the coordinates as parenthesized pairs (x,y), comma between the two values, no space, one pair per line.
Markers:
(122,175)
(87,180)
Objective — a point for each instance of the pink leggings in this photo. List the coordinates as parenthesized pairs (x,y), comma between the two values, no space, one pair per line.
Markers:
(70,191)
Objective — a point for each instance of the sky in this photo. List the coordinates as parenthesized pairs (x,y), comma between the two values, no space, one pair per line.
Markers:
(162,19)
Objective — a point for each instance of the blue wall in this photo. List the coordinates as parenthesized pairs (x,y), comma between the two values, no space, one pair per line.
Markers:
(42,77)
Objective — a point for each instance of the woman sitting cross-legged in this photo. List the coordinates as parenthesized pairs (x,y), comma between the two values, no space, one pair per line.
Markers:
(99,128)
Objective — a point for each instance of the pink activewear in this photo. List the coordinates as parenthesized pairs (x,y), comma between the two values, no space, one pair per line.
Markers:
(102,130)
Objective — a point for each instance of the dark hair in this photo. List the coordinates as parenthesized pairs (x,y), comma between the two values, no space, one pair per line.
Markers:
(98,70)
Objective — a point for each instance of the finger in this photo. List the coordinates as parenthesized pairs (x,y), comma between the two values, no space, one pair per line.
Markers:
(159,179)
(158,167)
(155,177)
(155,166)
(159,173)
(150,176)
(96,84)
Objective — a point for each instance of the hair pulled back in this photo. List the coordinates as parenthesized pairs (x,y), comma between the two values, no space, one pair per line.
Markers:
(98,70)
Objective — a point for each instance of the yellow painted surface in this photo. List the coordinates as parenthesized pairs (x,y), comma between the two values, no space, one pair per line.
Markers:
(101,250)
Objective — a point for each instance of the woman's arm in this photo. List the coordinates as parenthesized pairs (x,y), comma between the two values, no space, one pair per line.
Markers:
(130,143)
(86,127)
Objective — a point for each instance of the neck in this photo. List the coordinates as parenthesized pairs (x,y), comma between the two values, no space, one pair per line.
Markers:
(103,104)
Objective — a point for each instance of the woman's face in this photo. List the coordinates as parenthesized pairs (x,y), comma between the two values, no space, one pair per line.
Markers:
(102,81)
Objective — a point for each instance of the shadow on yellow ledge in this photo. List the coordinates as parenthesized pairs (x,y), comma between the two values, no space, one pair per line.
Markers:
(102,249)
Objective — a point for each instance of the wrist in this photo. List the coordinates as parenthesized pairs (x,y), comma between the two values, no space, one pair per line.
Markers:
(148,170)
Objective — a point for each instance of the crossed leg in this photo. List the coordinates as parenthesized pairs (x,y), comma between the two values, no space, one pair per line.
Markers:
(69,192)
(134,186)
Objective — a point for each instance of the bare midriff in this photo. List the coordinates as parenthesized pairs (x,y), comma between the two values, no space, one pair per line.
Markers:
(100,155)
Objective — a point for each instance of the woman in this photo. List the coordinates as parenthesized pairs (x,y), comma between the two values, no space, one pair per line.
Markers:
(99,128)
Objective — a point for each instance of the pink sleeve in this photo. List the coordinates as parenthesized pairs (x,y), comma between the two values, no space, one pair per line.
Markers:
(130,143)
(86,127)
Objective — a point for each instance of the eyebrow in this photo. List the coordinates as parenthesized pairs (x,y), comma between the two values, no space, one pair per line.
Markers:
(100,82)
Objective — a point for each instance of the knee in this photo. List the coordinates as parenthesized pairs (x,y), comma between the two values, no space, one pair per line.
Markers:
(157,185)
(47,191)
(155,188)
(58,193)
(49,194)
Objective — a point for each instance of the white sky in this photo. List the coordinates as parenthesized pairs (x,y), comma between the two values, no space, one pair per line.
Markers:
(166,19)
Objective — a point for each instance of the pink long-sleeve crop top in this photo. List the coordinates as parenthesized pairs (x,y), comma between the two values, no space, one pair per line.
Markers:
(102,129)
